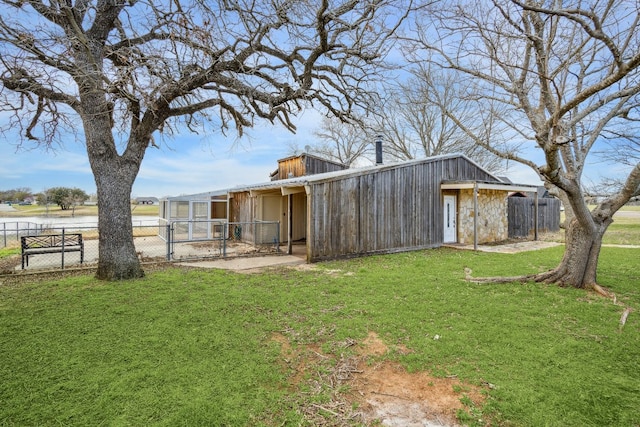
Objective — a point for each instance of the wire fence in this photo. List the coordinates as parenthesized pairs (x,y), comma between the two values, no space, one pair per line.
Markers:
(190,239)
(29,246)
(10,232)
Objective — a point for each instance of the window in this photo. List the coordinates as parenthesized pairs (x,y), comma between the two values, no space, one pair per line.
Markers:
(180,210)
(218,209)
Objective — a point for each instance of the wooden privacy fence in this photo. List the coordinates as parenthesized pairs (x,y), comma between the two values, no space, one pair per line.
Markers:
(521,214)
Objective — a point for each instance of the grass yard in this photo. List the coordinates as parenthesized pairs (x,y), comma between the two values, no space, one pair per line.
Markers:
(211,348)
(622,234)
(85,210)
(625,229)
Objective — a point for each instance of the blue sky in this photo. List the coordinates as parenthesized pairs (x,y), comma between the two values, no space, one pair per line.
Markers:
(187,164)
(190,163)
(193,163)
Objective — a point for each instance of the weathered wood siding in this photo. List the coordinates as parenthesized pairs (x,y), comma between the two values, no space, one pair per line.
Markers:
(294,166)
(305,165)
(521,214)
(386,210)
(314,165)
(242,211)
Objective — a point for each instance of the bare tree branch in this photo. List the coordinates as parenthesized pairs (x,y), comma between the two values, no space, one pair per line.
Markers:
(133,70)
(566,80)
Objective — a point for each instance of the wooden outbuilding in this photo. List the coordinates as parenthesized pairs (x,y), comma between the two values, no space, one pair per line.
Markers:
(528,215)
(381,209)
(303,165)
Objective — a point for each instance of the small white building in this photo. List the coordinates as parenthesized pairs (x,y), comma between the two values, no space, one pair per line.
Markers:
(147,200)
(193,214)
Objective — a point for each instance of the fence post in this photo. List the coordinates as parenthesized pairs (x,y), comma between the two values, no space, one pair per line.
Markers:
(535,217)
(224,239)
(168,241)
(278,236)
(63,248)
(254,227)
(4,233)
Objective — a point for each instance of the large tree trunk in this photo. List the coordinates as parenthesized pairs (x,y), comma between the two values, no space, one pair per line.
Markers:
(579,264)
(118,258)
(580,261)
(114,175)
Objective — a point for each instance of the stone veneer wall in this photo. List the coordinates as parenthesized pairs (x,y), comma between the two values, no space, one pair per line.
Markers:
(492,219)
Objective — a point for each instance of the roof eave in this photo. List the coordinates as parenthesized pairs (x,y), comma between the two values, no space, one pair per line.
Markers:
(487,185)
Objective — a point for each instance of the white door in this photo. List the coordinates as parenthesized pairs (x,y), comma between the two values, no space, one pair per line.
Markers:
(199,220)
(450,231)
(274,208)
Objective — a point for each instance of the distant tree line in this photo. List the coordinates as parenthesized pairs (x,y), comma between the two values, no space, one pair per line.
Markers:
(15,195)
(64,197)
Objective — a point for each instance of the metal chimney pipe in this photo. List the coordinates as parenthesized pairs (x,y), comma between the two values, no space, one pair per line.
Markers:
(378,149)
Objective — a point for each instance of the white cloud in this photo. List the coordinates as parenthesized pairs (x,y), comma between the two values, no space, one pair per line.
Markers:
(521,174)
(39,169)
(187,164)
(194,165)
(196,172)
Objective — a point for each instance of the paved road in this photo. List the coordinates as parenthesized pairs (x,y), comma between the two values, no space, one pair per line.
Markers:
(7,208)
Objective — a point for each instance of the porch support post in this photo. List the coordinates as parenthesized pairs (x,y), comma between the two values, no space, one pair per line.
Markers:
(290,224)
(535,217)
(475,216)
(310,228)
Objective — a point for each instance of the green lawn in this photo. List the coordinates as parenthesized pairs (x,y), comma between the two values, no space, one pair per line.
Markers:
(55,211)
(194,347)
(625,229)
(622,234)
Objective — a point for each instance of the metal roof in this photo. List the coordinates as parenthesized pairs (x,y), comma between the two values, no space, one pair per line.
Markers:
(487,185)
(197,196)
(293,185)
(329,176)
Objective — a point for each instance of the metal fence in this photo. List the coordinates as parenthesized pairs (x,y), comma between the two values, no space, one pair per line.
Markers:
(35,247)
(10,232)
(188,239)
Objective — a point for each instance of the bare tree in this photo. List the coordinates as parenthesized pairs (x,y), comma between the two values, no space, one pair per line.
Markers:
(342,142)
(16,194)
(415,119)
(565,75)
(413,122)
(135,71)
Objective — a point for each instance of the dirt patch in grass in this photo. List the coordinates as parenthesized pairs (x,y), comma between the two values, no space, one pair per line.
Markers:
(9,263)
(364,387)
(9,276)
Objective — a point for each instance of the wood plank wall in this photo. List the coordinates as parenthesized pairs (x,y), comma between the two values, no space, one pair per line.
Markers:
(242,210)
(521,214)
(388,210)
(305,165)
(314,165)
(294,165)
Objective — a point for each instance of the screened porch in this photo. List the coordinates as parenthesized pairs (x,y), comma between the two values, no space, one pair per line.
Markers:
(195,216)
